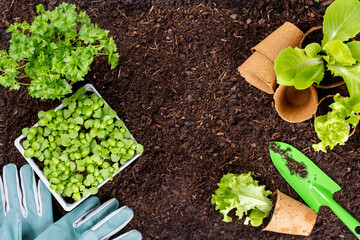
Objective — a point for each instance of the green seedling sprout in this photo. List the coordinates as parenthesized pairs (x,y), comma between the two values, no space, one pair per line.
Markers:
(80,145)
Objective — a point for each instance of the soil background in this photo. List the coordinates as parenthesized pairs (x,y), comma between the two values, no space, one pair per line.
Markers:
(179,92)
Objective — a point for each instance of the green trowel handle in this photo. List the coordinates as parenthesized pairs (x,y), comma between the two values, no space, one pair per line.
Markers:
(345,217)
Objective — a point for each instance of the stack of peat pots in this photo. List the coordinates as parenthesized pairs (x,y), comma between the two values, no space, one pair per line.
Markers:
(291,104)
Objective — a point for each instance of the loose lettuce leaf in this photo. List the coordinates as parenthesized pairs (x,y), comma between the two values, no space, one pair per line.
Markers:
(242,192)
(338,52)
(293,67)
(341,21)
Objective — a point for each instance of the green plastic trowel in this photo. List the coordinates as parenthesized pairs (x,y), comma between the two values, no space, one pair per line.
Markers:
(315,187)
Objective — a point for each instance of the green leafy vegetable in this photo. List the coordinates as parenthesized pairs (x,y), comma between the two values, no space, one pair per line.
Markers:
(294,67)
(351,76)
(242,192)
(301,68)
(341,21)
(332,130)
(313,49)
(55,50)
(354,47)
(338,52)
(334,127)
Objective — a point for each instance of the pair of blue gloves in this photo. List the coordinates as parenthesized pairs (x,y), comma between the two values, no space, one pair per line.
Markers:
(26,213)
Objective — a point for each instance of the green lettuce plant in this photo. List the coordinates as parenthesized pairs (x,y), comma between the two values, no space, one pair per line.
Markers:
(55,50)
(243,193)
(303,67)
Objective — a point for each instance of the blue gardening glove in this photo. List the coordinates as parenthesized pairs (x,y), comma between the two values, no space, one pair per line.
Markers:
(26,208)
(92,221)
(11,227)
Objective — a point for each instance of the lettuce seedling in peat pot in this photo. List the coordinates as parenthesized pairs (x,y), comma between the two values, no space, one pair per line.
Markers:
(303,67)
(54,51)
(243,194)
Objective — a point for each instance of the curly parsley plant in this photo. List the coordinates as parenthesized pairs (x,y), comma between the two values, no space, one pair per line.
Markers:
(55,50)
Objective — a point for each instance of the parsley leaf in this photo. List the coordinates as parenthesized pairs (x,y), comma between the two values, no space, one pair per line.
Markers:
(48,86)
(56,49)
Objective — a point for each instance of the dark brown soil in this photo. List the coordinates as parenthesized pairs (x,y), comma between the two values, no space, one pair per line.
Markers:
(178,90)
(314,36)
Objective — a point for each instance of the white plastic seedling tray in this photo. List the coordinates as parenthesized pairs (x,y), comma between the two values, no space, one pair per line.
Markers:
(67,206)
